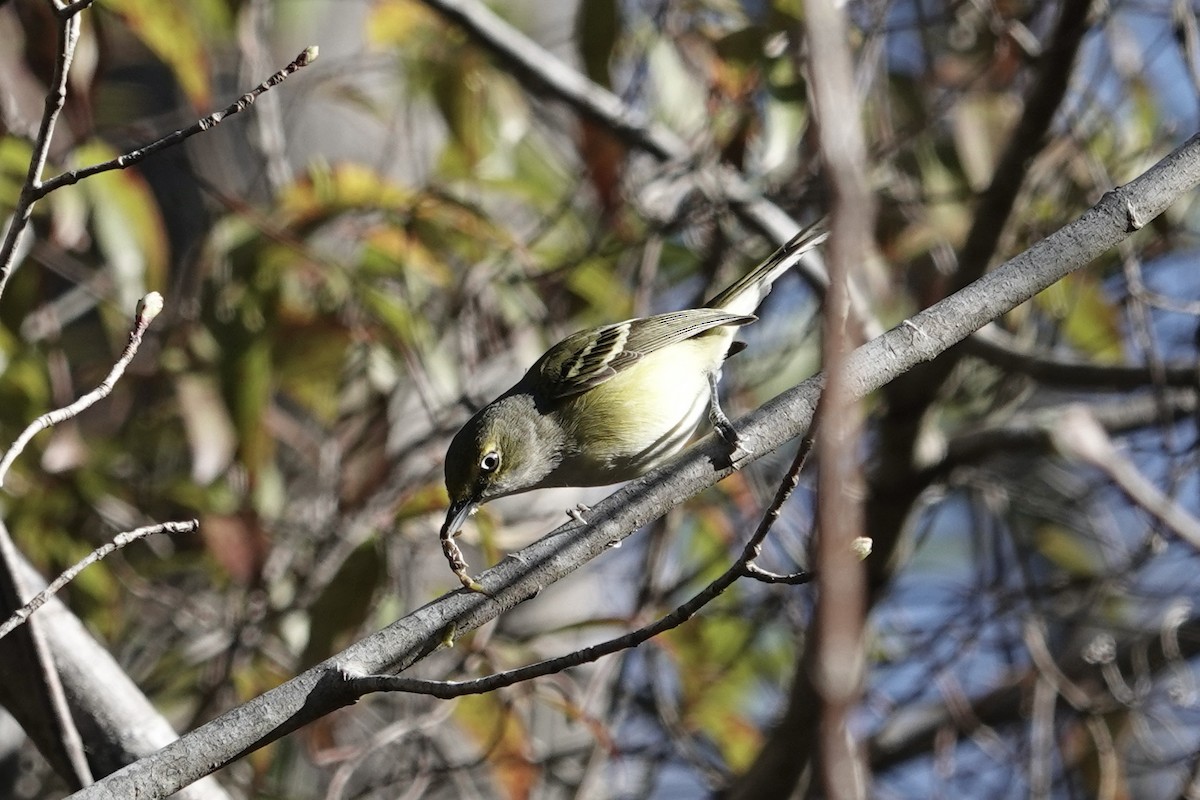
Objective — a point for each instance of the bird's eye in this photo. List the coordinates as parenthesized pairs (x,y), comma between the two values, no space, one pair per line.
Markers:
(490,462)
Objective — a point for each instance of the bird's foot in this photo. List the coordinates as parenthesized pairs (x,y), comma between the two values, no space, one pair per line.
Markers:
(577,513)
(738,455)
(724,428)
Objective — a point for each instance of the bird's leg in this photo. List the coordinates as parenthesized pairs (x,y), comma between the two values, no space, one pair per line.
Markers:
(721,423)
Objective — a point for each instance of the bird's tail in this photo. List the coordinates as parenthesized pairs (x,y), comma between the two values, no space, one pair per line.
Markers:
(745,296)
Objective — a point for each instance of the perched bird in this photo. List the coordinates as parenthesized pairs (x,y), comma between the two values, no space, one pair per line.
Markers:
(607,404)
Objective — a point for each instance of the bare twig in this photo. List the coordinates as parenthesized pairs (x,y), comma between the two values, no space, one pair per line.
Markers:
(56,97)
(119,541)
(34,188)
(147,310)
(308,56)
(756,572)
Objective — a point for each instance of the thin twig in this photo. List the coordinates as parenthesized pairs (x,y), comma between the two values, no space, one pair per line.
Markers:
(305,58)
(120,540)
(363,684)
(147,310)
(34,188)
(756,572)
(56,97)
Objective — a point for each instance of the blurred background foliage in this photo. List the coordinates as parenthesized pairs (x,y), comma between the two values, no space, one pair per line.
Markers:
(388,239)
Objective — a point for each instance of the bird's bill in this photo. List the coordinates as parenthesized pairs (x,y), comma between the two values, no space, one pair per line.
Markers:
(456,517)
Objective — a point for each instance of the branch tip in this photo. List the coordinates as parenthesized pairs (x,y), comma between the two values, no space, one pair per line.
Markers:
(148,308)
(862,547)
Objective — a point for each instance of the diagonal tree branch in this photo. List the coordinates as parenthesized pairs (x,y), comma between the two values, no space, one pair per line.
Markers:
(119,541)
(306,57)
(148,308)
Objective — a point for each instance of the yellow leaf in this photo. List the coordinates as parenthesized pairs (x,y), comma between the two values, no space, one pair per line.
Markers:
(174,33)
(1069,550)
(1090,322)
(401,23)
(327,190)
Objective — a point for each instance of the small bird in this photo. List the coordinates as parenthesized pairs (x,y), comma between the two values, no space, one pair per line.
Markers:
(606,404)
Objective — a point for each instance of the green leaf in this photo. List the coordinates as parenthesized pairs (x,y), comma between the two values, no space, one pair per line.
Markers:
(14,166)
(597,29)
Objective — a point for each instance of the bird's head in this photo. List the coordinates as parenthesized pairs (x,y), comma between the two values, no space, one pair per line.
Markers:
(502,450)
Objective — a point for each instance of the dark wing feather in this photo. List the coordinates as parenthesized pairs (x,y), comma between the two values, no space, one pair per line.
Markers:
(589,358)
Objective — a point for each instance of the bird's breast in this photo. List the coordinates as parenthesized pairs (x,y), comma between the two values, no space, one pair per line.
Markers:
(640,417)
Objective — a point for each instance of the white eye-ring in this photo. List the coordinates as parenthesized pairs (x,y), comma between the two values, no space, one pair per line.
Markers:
(490,462)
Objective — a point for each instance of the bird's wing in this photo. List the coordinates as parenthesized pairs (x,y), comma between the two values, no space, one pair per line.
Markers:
(589,358)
